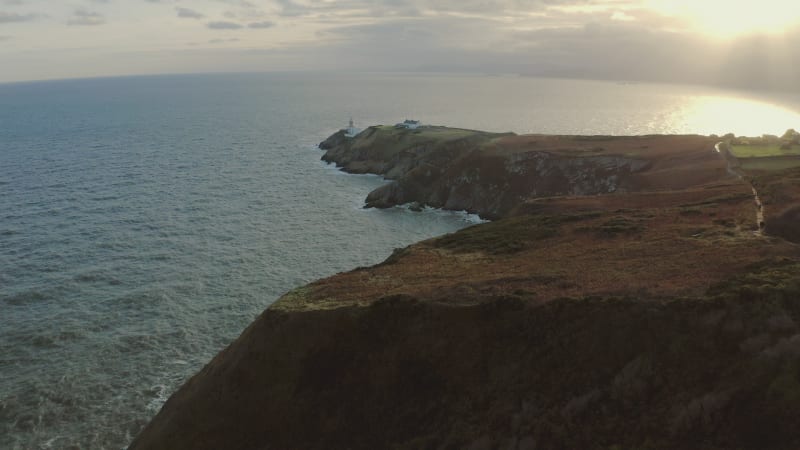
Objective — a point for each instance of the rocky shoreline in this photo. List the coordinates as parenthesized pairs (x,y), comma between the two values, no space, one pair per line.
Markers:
(619,299)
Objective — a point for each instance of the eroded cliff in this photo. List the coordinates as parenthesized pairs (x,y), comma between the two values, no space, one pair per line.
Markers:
(489,174)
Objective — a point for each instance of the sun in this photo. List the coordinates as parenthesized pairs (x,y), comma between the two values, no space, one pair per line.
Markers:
(728,18)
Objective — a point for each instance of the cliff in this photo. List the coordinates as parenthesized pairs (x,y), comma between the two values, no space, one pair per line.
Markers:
(649,317)
(489,174)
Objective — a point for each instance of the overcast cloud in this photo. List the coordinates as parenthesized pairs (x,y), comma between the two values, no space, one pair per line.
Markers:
(6,17)
(648,40)
(223,25)
(187,13)
(84,17)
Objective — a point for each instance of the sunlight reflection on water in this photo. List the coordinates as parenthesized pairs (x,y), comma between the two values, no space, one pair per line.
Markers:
(741,116)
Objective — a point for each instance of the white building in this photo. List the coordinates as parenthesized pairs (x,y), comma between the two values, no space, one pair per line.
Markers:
(409,124)
(351,130)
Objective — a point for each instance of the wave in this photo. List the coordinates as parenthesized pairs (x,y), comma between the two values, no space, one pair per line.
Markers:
(26,297)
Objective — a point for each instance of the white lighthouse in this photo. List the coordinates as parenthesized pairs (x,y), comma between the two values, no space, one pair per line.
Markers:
(351,130)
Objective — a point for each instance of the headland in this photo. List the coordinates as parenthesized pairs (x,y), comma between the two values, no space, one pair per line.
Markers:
(620,298)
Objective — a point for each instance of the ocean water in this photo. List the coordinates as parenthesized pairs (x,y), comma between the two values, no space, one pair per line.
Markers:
(145,221)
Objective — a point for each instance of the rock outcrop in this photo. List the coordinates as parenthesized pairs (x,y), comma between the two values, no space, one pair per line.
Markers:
(334,140)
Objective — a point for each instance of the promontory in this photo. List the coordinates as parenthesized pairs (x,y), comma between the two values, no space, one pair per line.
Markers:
(638,292)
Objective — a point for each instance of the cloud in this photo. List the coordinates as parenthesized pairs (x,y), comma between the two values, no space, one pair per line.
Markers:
(488,9)
(224,25)
(575,44)
(83,17)
(447,43)
(240,3)
(353,8)
(606,39)
(291,9)
(622,16)
(187,13)
(242,10)
(15,18)
(261,25)
(222,41)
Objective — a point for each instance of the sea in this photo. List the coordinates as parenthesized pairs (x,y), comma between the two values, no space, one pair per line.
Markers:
(146,221)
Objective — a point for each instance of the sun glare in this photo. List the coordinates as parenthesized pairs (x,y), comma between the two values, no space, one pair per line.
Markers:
(743,117)
(726,18)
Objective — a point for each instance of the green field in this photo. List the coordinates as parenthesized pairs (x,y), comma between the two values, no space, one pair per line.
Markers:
(768,163)
(763,151)
(432,132)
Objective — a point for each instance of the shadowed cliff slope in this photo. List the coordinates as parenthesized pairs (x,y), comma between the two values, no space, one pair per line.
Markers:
(588,373)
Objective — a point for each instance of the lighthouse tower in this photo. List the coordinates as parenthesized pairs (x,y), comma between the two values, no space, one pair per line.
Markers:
(351,130)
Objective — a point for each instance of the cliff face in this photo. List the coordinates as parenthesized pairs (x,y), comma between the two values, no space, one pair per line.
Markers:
(652,317)
(492,185)
(589,374)
(487,173)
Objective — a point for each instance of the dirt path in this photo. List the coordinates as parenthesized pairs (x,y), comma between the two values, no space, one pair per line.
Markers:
(759,205)
(759,212)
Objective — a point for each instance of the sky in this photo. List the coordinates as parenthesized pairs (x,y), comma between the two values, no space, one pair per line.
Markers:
(752,44)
